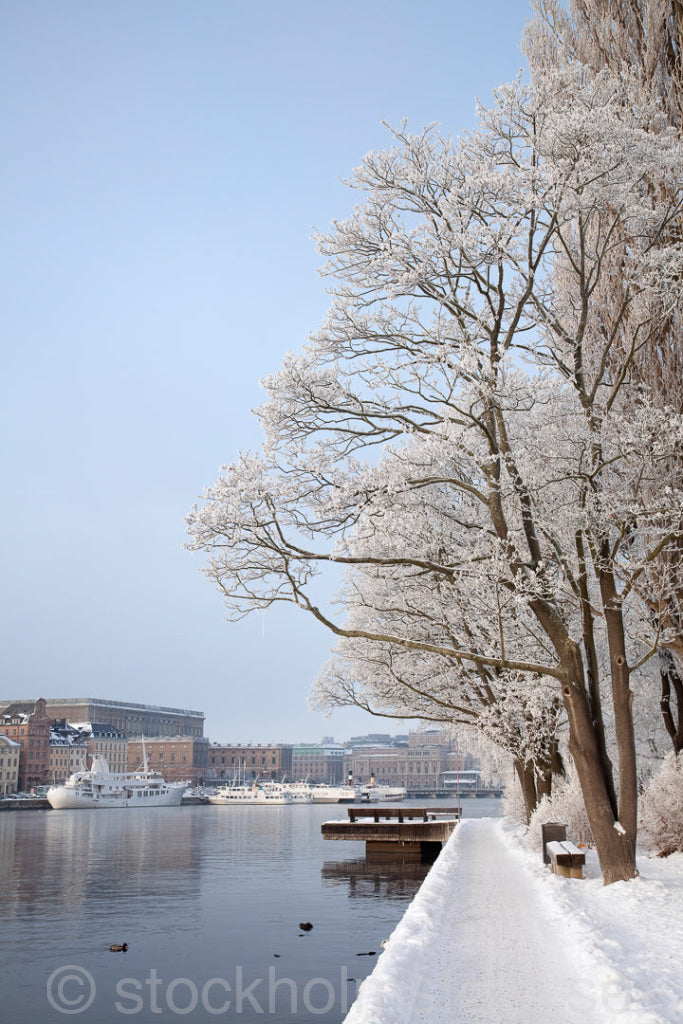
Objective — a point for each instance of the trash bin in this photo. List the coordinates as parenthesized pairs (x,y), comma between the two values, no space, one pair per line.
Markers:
(551,832)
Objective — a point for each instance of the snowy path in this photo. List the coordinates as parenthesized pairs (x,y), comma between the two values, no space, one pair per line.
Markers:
(493,938)
(502,956)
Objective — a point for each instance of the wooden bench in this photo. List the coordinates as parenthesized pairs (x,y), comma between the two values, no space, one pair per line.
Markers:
(566,859)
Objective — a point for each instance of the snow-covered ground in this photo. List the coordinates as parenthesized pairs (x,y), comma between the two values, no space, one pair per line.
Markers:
(493,937)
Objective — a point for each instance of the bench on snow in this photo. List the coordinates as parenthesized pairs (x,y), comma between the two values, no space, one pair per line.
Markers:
(566,859)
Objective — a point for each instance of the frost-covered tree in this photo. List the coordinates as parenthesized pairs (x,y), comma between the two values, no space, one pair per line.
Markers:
(644,39)
(391,680)
(662,810)
(453,370)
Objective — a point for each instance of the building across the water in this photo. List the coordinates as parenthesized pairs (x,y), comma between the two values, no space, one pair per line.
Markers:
(10,752)
(104,740)
(319,762)
(177,757)
(417,768)
(427,763)
(28,724)
(68,751)
(130,718)
(249,761)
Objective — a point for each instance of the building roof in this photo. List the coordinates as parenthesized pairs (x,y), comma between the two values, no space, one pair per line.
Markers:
(102,702)
(97,730)
(18,709)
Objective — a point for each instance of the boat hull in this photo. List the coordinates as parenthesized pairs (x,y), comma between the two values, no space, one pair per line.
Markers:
(266,794)
(334,794)
(381,794)
(61,799)
(251,801)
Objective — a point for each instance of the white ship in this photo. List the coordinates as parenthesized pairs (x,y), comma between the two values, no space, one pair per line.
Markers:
(324,794)
(260,793)
(380,794)
(300,792)
(100,787)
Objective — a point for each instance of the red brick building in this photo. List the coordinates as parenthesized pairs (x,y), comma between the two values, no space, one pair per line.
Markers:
(27,723)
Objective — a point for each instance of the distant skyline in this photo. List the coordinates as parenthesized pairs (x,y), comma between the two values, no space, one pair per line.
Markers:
(165,166)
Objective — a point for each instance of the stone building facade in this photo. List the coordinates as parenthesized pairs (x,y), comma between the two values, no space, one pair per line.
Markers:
(318,762)
(415,768)
(250,761)
(130,718)
(105,741)
(10,752)
(177,757)
(68,752)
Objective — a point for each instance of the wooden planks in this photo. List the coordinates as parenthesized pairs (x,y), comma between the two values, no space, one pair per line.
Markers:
(566,859)
(398,828)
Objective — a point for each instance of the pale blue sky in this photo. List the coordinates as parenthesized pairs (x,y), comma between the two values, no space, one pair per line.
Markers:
(165,163)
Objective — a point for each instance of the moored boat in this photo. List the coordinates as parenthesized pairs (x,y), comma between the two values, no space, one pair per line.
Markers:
(260,793)
(325,794)
(380,794)
(101,787)
(300,792)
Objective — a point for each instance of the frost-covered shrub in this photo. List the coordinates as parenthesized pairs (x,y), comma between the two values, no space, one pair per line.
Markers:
(513,800)
(662,808)
(565,805)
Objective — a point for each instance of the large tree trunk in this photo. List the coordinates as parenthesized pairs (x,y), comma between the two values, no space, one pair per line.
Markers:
(622,707)
(615,843)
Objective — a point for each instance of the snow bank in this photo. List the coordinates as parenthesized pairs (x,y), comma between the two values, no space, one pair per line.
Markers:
(389,994)
(631,935)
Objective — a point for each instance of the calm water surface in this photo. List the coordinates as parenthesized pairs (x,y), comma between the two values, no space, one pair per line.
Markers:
(209,900)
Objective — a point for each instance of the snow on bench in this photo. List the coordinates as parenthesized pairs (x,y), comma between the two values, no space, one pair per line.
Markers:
(566,859)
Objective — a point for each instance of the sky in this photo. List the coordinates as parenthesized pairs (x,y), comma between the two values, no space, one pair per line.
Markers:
(165,165)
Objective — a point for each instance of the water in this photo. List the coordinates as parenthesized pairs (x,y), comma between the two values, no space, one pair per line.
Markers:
(209,900)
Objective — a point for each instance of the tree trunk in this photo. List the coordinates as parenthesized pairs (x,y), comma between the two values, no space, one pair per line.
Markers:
(547,768)
(544,780)
(615,846)
(527,780)
(671,680)
(622,707)
(593,672)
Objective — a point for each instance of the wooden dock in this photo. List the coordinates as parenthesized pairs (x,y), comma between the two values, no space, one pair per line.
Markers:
(388,830)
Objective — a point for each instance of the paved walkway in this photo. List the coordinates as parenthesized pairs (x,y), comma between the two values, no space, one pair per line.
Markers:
(481,944)
(503,958)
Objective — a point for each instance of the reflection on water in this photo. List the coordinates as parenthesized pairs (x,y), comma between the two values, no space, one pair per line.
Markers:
(377,876)
(56,862)
(204,896)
